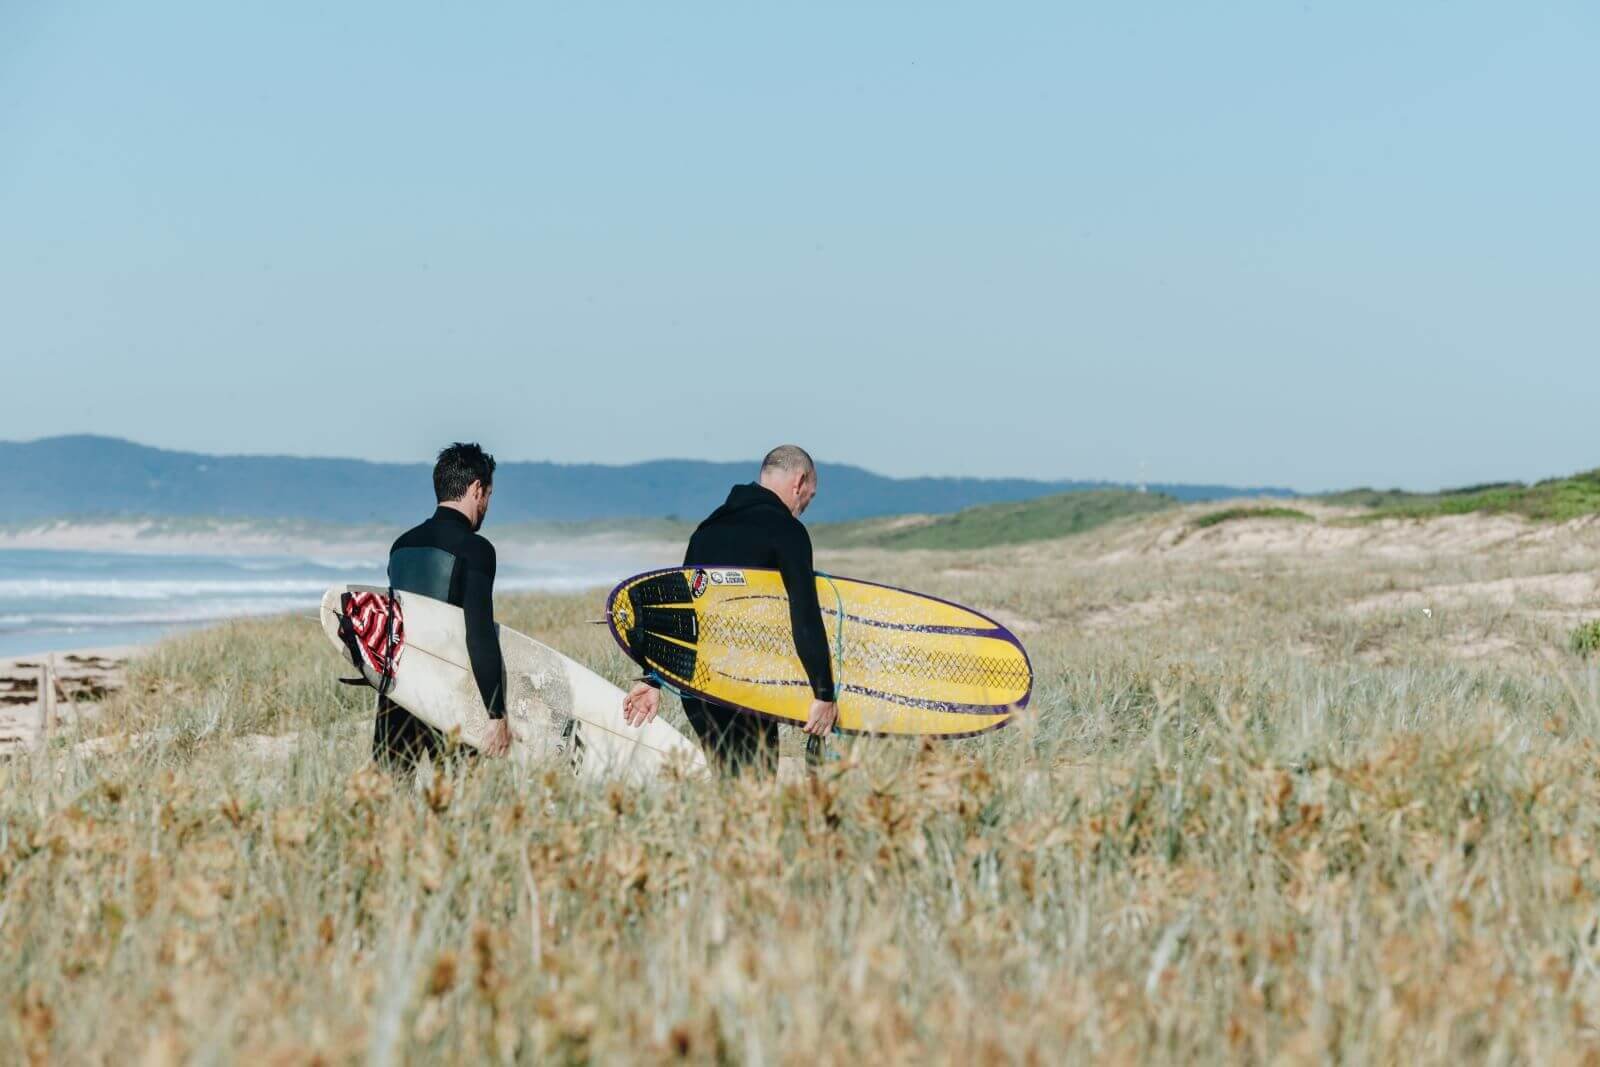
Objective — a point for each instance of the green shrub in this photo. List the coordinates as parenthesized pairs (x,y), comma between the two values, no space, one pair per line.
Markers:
(1216,518)
(1586,638)
(988,525)
(1552,500)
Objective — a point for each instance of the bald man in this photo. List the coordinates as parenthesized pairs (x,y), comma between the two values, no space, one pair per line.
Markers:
(759,526)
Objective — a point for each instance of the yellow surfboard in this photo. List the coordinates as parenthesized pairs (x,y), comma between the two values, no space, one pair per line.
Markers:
(903,663)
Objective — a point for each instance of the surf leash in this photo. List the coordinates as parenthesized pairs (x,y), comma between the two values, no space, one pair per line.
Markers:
(838,632)
(655,676)
(816,755)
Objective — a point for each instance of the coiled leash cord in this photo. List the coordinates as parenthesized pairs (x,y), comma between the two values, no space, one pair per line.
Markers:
(817,752)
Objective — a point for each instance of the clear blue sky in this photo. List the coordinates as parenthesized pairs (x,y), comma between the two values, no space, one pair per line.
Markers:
(1307,244)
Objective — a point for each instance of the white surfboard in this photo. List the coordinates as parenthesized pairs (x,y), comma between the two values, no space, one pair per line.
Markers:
(556,706)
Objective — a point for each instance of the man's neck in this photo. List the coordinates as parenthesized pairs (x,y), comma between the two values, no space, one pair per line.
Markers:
(461,508)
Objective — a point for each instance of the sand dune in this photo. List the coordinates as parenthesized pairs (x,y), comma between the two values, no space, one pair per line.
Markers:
(1337,532)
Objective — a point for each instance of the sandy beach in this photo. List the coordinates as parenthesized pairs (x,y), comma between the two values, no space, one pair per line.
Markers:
(81,680)
(308,540)
(200,537)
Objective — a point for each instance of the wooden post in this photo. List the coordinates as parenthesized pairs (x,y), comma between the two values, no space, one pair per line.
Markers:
(61,692)
(47,696)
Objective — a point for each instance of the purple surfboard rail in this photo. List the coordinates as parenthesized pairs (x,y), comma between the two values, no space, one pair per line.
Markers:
(995,630)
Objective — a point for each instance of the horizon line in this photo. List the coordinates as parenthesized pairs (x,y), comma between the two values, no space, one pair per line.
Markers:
(752,463)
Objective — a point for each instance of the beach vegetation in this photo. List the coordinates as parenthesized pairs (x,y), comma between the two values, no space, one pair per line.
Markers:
(1043,519)
(1552,500)
(1217,518)
(1586,638)
(1241,820)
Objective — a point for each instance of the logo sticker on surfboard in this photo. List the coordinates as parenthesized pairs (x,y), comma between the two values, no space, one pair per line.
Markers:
(697,585)
(727,577)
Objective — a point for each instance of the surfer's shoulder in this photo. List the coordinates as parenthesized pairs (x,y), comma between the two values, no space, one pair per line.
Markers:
(412,538)
(794,526)
(479,552)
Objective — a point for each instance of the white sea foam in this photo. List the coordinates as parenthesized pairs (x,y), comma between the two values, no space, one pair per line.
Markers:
(51,599)
(190,611)
(154,588)
(244,590)
(348,564)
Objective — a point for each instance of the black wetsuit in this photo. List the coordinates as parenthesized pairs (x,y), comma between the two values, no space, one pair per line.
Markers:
(754,529)
(444,558)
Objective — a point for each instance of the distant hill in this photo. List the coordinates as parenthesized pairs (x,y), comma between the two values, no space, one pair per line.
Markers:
(1554,499)
(995,524)
(104,477)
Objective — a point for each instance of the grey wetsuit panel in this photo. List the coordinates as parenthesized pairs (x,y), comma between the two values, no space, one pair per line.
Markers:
(423,571)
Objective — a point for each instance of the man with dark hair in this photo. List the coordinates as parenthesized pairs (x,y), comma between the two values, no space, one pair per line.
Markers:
(759,526)
(447,559)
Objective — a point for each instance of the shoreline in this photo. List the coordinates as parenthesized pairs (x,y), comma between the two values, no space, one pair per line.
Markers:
(306,540)
(123,641)
(218,539)
(64,586)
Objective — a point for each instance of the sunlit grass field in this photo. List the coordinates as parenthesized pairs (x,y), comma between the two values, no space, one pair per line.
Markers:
(1263,807)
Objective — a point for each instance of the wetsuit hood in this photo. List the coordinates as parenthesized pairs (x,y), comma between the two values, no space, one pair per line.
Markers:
(745,497)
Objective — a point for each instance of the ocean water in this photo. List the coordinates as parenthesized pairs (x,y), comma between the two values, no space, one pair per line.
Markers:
(55,600)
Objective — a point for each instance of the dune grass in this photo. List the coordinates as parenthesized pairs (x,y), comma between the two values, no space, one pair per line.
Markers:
(1251,826)
(1217,518)
(995,524)
(1553,500)
(1586,639)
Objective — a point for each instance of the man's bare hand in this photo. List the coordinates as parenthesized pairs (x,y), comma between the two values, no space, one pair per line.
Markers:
(824,713)
(640,705)
(497,740)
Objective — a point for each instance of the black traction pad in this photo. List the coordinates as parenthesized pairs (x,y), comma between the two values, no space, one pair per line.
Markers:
(669,588)
(663,655)
(681,623)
